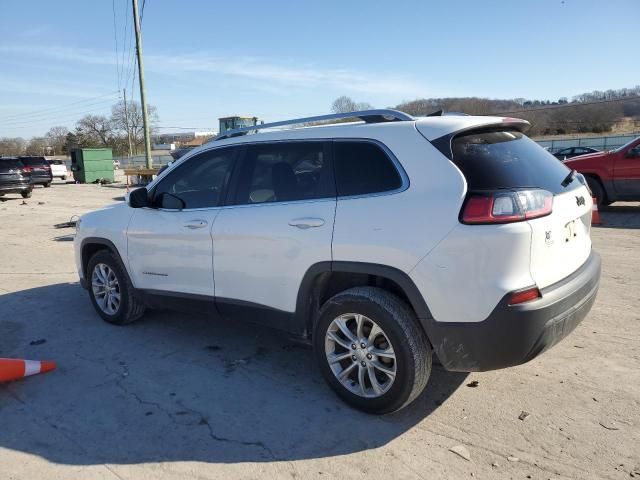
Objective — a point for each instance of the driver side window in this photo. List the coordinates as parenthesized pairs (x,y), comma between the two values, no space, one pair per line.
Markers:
(634,152)
(198,182)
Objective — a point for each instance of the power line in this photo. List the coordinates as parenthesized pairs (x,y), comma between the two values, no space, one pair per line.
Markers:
(115,39)
(56,117)
(131,69)
(142,13)
(143,100)
(62,119)
(127,31)
(20,116)
(131,63)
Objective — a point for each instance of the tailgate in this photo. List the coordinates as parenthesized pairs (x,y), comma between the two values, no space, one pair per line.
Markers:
(560,242)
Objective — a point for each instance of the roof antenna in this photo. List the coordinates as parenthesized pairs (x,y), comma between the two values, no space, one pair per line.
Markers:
(437,113)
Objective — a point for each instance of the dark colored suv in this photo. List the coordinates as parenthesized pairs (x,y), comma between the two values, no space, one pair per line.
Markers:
(40,170)
(15,177)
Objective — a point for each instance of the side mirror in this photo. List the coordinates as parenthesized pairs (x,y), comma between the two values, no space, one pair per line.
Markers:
(139,198)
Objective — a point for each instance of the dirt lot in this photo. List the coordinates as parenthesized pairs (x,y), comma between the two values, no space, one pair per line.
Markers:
(180,396)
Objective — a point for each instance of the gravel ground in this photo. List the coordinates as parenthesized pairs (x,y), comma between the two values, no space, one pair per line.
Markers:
(185,396)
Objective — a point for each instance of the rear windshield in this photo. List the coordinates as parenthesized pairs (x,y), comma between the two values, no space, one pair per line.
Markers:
(10,164)
(33,161)
(493,160)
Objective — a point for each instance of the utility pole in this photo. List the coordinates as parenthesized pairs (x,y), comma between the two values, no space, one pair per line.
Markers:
(126,119)
(143,100)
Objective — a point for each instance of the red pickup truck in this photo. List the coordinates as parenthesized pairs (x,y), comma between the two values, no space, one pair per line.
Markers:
(613,175)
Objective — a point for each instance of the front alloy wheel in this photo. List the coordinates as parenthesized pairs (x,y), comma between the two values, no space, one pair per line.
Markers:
(106,288)
(360,355)
(111,291)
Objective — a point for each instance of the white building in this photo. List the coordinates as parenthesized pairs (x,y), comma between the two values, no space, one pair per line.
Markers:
(207,133)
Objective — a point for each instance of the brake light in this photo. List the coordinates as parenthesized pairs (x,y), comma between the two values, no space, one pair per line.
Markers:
(506,206)
(524,296)
(27,169)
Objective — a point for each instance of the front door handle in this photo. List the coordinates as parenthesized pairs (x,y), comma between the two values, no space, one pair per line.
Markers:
(304,223)
(193,224)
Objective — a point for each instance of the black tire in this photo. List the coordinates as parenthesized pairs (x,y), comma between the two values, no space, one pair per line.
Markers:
(64,177)
(47,185)
(131,307)
(399,323)
(26,194)
(598,191)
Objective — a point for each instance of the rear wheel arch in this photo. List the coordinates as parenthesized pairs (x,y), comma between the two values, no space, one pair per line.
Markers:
(325,279)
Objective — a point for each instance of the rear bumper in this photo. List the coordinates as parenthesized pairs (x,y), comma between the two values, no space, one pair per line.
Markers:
(40,179)
(515,334)
(15,187)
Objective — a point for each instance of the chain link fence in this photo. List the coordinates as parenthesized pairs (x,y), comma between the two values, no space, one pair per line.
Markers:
(141,161)
(609,142)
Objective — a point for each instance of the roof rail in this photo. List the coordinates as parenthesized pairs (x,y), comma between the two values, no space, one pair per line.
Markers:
(368,116)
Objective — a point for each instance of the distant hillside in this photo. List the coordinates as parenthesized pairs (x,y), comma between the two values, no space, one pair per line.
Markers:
(593,112)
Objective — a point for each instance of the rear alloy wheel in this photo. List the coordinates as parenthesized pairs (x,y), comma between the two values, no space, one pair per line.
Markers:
(371,350)
(360,355)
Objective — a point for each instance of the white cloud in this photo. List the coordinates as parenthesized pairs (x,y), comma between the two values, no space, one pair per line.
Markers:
(303,76)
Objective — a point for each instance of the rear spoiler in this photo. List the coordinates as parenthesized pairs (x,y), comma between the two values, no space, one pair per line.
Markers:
(444,143)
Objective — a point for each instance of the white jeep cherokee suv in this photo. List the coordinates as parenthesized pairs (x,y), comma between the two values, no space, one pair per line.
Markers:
(382,242)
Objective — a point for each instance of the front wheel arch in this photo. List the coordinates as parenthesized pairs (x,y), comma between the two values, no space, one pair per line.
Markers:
(91,245)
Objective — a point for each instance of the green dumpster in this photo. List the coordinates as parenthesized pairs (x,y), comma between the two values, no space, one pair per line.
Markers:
(91,164)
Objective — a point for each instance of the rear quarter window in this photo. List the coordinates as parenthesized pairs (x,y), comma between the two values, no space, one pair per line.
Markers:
(362,168)
(492,160)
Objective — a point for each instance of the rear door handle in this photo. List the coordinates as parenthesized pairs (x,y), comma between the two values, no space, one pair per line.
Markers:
(194,224)
(307,222)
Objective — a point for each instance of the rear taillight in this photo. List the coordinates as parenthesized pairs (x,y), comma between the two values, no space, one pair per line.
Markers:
(524,296)
(27,170)
(506,206)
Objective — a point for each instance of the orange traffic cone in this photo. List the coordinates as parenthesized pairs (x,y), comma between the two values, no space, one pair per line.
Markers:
(595,215)
(14,369)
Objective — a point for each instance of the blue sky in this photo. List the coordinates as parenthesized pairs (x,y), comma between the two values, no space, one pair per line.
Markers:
(280,59)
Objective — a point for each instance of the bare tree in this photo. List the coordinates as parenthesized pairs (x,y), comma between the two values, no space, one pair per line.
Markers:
(12,146)
(37,146)
(128,121)
(57,138)
(345,104)
(95,130)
